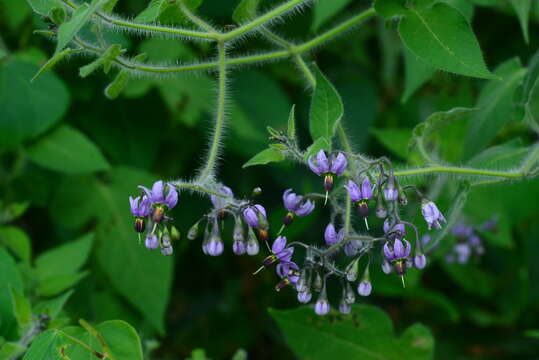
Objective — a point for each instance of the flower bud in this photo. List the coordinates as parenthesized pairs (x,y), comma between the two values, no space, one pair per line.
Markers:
(257,191)
(304,296)
(303,282)
(386,267)
(322,305)
(151,242)
(318,283)
(215,246)
(252,243)
(344,307)
(282,284)
(288,218)
(364,288)
(174,233)
(239,247)
(165,240)
(238,234)
(193,232)
(381,210)
(403,200)
(352,270)
(349,295)
(167,251)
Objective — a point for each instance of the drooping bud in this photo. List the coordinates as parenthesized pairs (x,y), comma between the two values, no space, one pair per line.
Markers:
(386,267)
(252,243)
(174,233)
(215,245)
(238,234)
(349,295)
(239,247)
(167,251)
(165,240)
(140,224)
(304,297)
(420,261)
(344,307)
(322,304)
(303,282)
(390,192)
(151,242)
(257,191)
(318,282)
(403,200)
(352,270)
(193,232)
(364,288)
(381,210)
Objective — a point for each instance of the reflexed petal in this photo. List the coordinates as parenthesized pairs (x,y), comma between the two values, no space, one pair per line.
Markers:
(407,249)
(305,209)
(330,235)
(353,191)
(260,209)
(146,191)
(278,244)
(322,161)
(338,165)
(157,191)
(398,249)
(366,189)
(172,196)
(314,168)
(388,252)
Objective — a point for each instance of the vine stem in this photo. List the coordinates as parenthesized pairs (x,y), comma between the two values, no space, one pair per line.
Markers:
(213,154)
(458,170)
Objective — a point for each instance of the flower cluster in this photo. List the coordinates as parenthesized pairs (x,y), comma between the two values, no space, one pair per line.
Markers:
(351,184)
(468,241)
(150,211)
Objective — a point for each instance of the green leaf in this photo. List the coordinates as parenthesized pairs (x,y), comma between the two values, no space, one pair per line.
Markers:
(15,12)
(104,60)
(417,73)
(291,133)
(17,241)
(69,151)
(166,12)
(320,144)
(9,277)
(325,10)
(152,11)
(28,109)
(265,157)
(11,350)
(53,61)
(57,283)
(501,157)
(44,7)
(522,8)
(122,340)
(394,139)
(326,108)
(47,346)
(442,37)
(464,6)
(21,308)
(68,30)
(245,11)
(54,306)
(390,8)
(119,250)
(367,333)
(495,104)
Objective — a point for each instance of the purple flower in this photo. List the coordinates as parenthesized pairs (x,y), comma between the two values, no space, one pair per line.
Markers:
(288,270)
(279,253)
(352,247)
(321,165)
(322,305)
(349,296)
(463,252)
(353,191)
(255,216)
(390,192)
(396,231)
(220,202)
(304,297)
(462,230)
(252,243)
(331,236)
(399,250)
(157,194)
(139,208)
(151,242)
(295,204)
(364,288)
(420,261)
(215,246)
(432,215)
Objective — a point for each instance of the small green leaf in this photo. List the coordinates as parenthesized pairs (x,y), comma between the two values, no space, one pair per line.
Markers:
(152,11)
(53,61)
(17,241)
(495,104)
(68,30)
(11,350)
(57,283)
(47,346)
(442,37)
(69,151)
(326,108)
(265,157)
(500,157)
(245,11)
(394,139)
(522,8)
(166,12)
(390,8)
(21,308)
(115,88)
(44,7)
(367,333)
(320,144)
(292,123)
(54,306)
(104,60)
(417,73)
(325,10)
(65,259)
(9,278)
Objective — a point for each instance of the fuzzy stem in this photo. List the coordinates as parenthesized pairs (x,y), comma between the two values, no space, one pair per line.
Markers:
(213,154)
(457,170)
(197,20)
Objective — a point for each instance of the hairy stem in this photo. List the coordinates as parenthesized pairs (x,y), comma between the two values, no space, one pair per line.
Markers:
(196,20)
(458,170)
(215,144)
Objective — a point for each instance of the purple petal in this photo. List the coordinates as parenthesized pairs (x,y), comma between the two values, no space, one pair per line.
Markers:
(305,209)
(278,244)
(172,197)
(250,217)
(388,252)
(338,165)
(260,209)
(353,191)
(146,191)
(407,249)
(285,255)
(157,192)
(330,235)
(314,168)
(366,189)
(398,249)
(322,161)
(364,288)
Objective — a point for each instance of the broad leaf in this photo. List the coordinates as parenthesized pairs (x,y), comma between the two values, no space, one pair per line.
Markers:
(417,73)
(265,157)
(68,150)
(104,60)
(28,109)
(9,278)
(47,346)
(44,7)
(505,156)
(442,37)
(17,241)
(326,109)
(495,104)
(54,306)
(21,308)
(367,333)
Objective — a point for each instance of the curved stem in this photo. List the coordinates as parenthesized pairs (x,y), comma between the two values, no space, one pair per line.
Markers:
(215,144)
(196,20)
(458,170)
